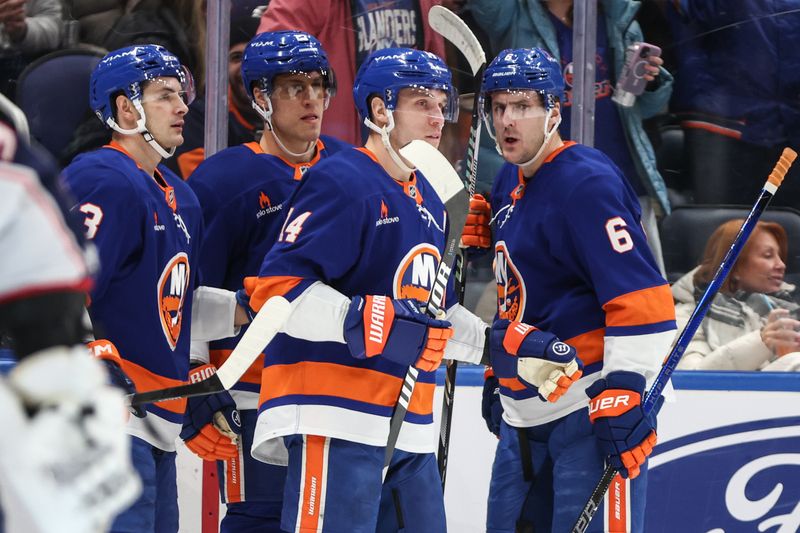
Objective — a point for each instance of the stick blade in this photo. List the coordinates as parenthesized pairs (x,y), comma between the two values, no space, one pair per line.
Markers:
(436,168)
(262,329)
(451,27)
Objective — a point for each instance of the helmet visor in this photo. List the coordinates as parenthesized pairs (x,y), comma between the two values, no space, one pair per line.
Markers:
(510,106)
(298,85)
(432,102)
(164,89)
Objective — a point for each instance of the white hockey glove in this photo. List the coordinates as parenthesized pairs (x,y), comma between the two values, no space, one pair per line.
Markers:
(537,358)
(65,463)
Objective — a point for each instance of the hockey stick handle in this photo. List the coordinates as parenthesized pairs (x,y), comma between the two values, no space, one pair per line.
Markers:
(770,187)
(269,319)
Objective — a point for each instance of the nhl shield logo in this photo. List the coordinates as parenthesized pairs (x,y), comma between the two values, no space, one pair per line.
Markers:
(172,288)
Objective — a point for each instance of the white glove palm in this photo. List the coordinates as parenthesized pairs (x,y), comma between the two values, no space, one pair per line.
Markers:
(66,467)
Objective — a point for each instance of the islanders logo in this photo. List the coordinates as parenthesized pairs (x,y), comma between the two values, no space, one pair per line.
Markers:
(416,272)
(172,288)
(510,286)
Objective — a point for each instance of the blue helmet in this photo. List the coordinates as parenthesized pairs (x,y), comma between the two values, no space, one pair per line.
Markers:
(527,69)
(387,71)
(126,69)
(281,52)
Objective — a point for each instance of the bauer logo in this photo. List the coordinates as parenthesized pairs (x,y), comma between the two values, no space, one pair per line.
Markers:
(172,288)
(416,272)
(510,285)
(729,479)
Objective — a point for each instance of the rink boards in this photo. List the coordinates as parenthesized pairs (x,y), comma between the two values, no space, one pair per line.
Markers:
(728,458)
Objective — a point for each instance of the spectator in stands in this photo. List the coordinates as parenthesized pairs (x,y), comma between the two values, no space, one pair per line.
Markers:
(752,323)
(350,31)
(28,29)
(94,18)
(618,130)
(736,92)
(244,124)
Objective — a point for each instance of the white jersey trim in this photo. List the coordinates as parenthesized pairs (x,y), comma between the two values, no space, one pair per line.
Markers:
(469,336)
(155,430)
(337,423)
(321,306)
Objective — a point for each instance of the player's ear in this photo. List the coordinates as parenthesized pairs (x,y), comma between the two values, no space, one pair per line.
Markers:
(378,111)
(556,112)
(260,97)
(126,115)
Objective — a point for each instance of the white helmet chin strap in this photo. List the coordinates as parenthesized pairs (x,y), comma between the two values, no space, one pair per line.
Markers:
(266,114)
(384,133)
(141,128)
(547,136)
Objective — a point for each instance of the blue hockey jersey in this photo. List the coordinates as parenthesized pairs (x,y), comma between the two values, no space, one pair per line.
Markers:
(242,192)
(354,228)
(571,258)
(147,233)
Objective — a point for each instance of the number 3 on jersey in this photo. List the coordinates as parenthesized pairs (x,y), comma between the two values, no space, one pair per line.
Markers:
(291,230)
(618,236)
(94,215)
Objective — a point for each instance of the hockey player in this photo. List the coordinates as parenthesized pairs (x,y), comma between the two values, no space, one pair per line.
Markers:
(243,191)
(64,457)
(357,255)
(570,258)
(145,223)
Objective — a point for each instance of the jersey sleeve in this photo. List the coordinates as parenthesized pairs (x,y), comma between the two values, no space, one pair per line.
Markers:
(320,241)
(110,220)
(606,240)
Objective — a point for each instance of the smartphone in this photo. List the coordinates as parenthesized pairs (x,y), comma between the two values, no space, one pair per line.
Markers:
(631,82)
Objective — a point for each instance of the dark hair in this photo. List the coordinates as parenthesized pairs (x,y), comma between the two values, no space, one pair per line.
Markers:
(719,243)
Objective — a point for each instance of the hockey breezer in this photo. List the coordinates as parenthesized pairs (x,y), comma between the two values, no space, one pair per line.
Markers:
(450,189)
(260,332)
(770,188)
(451,27)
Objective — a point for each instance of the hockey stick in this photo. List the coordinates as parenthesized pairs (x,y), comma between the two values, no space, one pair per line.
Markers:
(451,27)
(259,333)
(448,185)
(770,187)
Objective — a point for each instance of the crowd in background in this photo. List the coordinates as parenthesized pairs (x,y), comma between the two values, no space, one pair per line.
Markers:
(707,129)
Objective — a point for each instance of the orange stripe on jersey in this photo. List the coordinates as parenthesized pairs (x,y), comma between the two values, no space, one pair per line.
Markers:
(188,161)
(510,383)
(147,381)
(617,506)
(642,307)
(252,375)
(339,381)
(262,289)
(314,472)
(590,345)
(557,151)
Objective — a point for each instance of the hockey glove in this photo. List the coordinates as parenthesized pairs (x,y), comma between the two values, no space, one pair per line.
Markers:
(477,232)
(105,350)
(626,436)
(491,408)
(539,360)
(396,330)
(64,451)
(211,425)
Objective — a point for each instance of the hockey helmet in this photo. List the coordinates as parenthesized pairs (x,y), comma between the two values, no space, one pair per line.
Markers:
(284,52)
(387,71)
(126,70)
(526,69)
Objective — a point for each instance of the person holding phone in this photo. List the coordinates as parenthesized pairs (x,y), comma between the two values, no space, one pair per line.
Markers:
(618,129)
(753,322)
